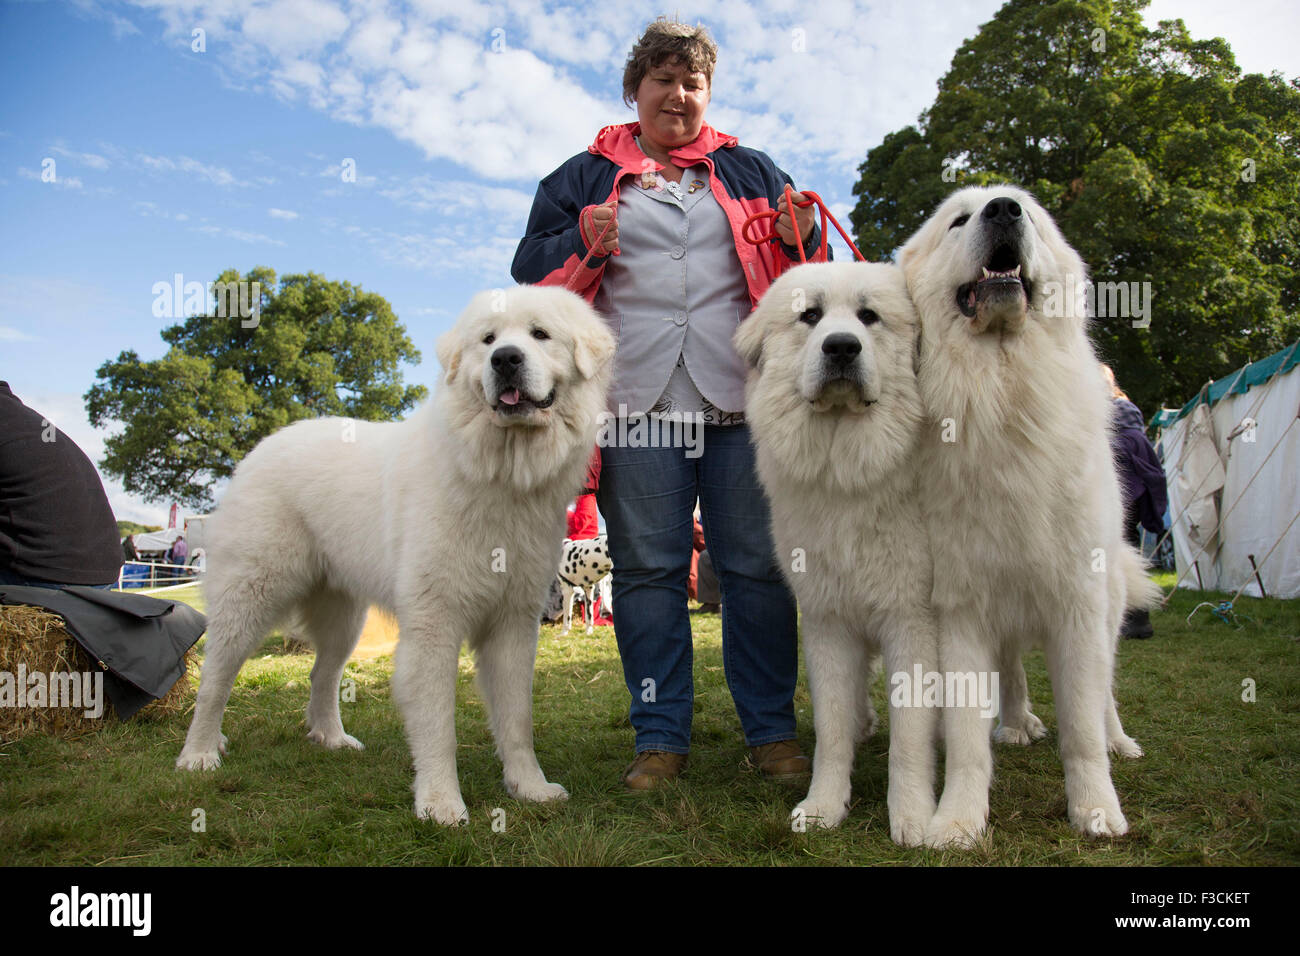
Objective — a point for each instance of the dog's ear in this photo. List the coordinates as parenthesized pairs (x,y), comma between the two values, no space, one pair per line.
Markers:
(593,345)
(749,336)
(449,348)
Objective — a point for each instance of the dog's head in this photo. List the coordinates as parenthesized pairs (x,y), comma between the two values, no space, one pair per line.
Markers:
(832,352)
(526,370)
(521,353)
(990,260)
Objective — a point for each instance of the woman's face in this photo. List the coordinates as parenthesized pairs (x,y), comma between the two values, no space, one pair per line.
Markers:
(670,104)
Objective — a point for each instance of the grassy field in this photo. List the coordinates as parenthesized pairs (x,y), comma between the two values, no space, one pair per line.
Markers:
(1218,785)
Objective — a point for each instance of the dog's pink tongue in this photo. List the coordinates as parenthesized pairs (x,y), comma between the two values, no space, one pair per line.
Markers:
(510,397)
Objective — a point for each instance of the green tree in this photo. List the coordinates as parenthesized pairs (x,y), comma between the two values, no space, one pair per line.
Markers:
(314,347)
(1160,160)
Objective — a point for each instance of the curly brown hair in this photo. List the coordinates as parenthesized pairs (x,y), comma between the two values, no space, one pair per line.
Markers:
(668,41)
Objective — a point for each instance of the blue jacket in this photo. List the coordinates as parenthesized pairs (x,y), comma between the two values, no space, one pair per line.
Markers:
(744,181)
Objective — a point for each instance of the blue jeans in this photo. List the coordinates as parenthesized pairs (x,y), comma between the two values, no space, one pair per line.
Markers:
(647,496)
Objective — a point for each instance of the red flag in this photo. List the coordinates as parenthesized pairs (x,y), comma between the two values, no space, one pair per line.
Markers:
(171,517)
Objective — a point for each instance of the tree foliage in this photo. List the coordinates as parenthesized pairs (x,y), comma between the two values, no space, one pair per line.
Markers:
(317,347)
(1159,159)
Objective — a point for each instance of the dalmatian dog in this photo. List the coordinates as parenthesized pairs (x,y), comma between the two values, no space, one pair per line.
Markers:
(584,566)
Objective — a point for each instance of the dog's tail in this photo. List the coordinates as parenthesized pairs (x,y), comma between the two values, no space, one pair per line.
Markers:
(1140,591)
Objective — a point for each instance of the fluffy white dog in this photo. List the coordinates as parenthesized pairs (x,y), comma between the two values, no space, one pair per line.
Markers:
(328,516)
(835,414)
(1020,496)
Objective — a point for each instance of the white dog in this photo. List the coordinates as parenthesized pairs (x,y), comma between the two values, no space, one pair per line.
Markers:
(1020,496)
(836,417)
(328,516)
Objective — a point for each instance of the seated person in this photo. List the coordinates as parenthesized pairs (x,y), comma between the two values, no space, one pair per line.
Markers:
(56,526)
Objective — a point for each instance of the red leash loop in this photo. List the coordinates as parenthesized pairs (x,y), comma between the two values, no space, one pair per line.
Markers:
(570,285)
(810,198)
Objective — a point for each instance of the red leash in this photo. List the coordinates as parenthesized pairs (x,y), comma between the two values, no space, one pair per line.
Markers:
(810,198)
(590,252)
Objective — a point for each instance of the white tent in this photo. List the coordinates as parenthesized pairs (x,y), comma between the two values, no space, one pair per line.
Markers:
(1232,461)
(156,540)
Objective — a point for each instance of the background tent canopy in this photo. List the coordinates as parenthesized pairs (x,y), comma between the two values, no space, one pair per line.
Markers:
(1238,383)
(157,540)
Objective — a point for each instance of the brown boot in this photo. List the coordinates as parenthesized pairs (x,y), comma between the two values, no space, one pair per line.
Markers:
(651,768)
(783,760)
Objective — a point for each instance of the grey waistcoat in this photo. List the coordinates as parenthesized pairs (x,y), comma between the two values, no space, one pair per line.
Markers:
(675,289)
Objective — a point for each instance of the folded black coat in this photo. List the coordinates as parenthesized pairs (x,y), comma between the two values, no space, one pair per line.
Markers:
(139,641)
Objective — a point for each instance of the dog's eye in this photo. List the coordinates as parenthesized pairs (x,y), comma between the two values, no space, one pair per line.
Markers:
(811,316)
(868,316)
(960,221)
(541,335)
(489,338)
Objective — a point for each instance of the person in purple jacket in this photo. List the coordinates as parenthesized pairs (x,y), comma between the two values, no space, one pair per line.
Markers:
(1142,483)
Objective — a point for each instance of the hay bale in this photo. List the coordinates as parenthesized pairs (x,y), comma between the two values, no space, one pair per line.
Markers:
(36,640)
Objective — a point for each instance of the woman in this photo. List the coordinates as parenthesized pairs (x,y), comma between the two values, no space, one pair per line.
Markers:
(673,276)
(1142,482)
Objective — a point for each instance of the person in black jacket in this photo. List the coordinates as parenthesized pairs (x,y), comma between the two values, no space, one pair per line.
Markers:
(1142,483)
(56,526)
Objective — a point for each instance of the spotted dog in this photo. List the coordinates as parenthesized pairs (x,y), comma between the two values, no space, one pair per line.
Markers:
(585,563)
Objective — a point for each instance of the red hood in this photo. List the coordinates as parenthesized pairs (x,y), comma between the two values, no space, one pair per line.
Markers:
(617,144)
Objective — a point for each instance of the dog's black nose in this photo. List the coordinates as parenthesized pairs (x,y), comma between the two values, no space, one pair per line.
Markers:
(841,348)
(507,359)
(1002,211)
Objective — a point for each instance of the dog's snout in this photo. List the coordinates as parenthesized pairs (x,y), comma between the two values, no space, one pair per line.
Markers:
(507,359)
(1002,211)
(841,348)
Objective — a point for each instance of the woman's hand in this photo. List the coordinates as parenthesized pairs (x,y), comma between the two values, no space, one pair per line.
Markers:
(804,217)
(593,221)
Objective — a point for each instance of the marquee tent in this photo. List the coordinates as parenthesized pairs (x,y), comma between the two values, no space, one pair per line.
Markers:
(1232,461)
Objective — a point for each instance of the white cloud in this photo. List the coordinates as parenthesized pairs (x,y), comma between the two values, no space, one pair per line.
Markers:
(282,213)
(508,91)
(8,334)
(216,175)
(93,160)
(59,181)
(239,235)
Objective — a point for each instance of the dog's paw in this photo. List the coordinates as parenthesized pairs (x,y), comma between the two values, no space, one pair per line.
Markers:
(907,829)
(335,740)
(826,814)
(449,811)
(537,791)
(953,832)
(1099,822)
(1125,746)
(199,759)
(1021,733)
(223,745)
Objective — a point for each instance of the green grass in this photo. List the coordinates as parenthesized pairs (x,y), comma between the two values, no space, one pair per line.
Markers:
(1218,785)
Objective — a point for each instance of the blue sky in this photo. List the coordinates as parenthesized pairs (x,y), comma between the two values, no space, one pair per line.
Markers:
(169,160)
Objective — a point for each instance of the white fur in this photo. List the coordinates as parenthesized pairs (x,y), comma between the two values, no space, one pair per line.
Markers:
(837,461)
(1023,508)
(328,516)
